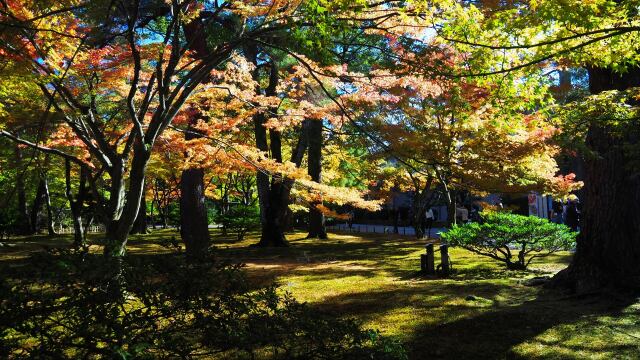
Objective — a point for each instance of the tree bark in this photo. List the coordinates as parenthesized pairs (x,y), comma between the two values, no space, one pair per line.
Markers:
(75,204)
(314,158)
(421,201)
(124,203)
(275,205)
(151,215)
(47,199)
(194,222)
(36,206)
(194,225)
(140,225)
(273,196)
(23,226)
(608,247)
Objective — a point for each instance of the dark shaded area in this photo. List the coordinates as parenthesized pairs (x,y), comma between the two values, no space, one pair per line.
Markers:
(63,304)
(608,250)
(480,312)
(492,335)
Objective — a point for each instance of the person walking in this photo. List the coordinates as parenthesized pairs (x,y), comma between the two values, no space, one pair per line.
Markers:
(573,215)
(429,219)
(557,211)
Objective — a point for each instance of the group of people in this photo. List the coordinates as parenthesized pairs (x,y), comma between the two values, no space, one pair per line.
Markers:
(567,212)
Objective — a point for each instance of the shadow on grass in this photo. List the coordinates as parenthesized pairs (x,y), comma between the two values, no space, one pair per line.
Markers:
(480,312)
(519,332)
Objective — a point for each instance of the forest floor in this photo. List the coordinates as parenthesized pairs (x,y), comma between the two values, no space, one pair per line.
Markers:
(481,311)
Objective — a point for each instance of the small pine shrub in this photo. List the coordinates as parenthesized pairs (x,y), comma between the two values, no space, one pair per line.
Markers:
(512,239)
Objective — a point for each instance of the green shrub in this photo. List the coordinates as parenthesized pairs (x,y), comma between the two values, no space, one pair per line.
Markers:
(66,307)
(513,239)
(240,219)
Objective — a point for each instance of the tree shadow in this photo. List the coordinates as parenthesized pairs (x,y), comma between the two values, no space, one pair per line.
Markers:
(494,334)
(479,312)
(436,296)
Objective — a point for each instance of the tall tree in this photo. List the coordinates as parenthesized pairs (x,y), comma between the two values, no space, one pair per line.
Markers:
(315,141)
(603,37)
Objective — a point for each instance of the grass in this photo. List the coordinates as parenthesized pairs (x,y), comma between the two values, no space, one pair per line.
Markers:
(482,311)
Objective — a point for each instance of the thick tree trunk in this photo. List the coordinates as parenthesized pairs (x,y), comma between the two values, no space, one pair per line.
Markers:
(273,197)
(274,206)
(224,205)
(270,233)
(194,222)
(316,217)
(396,219)
(452,205)
(418,224)
(140,225)
(608,248)
(194,225)
(124,205)
(275,214)
(165,217)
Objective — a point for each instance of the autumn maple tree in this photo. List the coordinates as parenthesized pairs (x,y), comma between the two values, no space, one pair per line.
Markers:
(117,89)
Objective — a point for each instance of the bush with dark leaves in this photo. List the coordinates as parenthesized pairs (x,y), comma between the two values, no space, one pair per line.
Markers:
(66,306)
(240,219)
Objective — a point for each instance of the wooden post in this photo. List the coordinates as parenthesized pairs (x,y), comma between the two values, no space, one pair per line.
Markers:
(430,262)
(444,259)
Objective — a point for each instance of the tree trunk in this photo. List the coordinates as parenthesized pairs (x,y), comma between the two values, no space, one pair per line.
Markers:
(452,205)
(608,247)
(124,205)
(165,217)
(194,222)
(274,206)
(79,239)
(23,226)
(140,225)
(418,227)
(36,206)
(194,225)
(224,204)
(275,213)
(76,203)
(316,217)
(273,197)
(421,201)
(151,215)
(47,199)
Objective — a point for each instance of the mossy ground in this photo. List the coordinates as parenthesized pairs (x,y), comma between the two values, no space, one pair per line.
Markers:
(481,311)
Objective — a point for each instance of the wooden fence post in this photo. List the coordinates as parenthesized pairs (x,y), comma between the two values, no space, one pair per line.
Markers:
(444,259)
